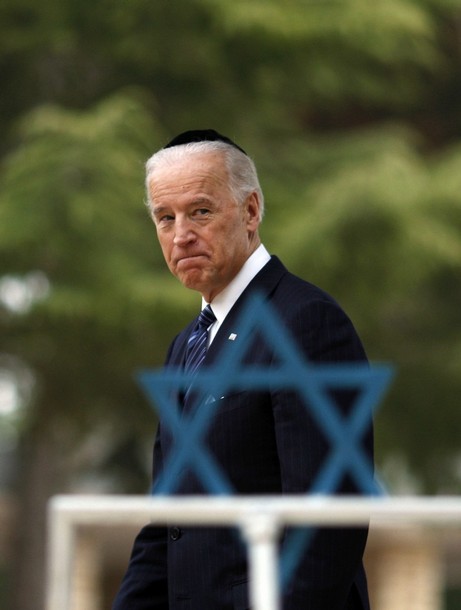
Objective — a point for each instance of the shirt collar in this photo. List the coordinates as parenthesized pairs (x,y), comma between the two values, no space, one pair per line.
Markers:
(224,301)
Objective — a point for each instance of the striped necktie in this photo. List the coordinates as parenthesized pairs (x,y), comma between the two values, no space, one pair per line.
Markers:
(197,343)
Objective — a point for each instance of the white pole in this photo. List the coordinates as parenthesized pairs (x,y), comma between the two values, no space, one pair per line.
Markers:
(290,510)
(260,531)
(259,517)
(60,559)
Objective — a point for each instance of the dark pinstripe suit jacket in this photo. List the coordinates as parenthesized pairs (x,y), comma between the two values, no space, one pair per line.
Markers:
(266,442)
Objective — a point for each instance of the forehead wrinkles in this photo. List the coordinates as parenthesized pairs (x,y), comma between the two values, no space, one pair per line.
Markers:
(201,183)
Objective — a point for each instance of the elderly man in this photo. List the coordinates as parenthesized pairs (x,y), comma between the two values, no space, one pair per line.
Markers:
(207,205)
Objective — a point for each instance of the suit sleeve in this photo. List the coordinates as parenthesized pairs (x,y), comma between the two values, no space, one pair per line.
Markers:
(326,572)
(145,585)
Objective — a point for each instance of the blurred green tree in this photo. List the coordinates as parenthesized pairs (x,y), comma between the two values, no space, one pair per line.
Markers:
(258,68)
(76,238)
(381,230)
(352,111)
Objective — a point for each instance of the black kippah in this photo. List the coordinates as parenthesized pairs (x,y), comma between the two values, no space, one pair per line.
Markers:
(201,135)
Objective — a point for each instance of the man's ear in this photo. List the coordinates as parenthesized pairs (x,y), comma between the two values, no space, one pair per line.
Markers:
(253,211)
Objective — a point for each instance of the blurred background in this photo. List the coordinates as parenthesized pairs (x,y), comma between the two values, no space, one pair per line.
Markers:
(352,113)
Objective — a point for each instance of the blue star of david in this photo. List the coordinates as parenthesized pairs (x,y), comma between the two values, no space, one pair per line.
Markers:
(188,432)
(313,383)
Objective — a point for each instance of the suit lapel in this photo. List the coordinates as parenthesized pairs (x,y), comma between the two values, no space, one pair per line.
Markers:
(263,283)
(230,334)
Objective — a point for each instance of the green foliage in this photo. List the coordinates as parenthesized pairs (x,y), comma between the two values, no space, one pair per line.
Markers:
(379,226)
(334,52)
(72,209)
(352,111)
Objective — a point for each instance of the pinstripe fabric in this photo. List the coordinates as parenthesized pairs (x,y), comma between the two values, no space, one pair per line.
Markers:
(267,443)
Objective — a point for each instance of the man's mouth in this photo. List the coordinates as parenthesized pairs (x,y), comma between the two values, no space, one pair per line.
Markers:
(192,259)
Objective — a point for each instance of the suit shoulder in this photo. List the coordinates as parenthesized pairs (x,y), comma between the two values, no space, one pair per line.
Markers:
(299,290)
(278,282)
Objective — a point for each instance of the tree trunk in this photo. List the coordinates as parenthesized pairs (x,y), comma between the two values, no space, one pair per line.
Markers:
(37,480)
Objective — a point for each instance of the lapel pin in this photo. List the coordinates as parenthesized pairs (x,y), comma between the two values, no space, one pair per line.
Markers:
(232,337)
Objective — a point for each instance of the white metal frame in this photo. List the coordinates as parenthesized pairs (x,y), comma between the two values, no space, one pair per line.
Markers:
(259,518)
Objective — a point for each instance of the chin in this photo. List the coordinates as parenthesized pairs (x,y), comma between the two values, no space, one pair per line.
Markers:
(191,282)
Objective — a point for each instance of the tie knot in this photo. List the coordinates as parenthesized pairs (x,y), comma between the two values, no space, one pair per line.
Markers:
(206,317)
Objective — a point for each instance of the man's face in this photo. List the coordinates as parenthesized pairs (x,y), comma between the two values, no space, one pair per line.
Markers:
(205,235)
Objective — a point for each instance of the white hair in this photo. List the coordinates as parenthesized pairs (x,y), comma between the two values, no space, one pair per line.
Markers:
(243,177)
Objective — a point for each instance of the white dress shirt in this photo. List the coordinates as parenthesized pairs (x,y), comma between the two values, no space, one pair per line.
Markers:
(224,301)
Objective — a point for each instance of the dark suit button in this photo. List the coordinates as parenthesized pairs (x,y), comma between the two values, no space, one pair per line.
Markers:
(175,533)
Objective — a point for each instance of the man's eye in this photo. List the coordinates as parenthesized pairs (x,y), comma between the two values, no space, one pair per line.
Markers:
(202,211)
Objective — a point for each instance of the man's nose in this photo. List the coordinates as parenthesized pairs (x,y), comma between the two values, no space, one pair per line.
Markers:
(183,233)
